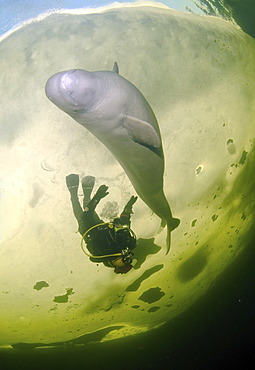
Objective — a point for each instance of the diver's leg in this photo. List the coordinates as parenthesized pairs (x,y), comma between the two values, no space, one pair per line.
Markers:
(88,183)
(77,210)
(72,182)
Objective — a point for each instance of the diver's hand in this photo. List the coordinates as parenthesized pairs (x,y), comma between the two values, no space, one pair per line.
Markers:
(131,201)
(129,205)
(101,192)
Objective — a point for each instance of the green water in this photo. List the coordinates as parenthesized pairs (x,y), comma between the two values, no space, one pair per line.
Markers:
(217,332)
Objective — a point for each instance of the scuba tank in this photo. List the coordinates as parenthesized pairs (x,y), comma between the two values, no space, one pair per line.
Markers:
(108,240)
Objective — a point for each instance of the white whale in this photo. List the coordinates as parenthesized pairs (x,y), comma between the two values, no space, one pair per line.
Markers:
(116,112)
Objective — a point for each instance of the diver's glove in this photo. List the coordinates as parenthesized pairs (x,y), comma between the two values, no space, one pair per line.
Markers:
(130,203)
(101,192)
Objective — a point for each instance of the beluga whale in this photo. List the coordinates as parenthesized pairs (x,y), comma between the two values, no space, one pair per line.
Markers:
(119,116)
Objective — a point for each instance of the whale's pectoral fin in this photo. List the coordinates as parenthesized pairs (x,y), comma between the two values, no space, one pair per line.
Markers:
(115,68)
(141,132)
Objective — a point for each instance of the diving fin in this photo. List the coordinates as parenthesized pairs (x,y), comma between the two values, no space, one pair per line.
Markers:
(72,181)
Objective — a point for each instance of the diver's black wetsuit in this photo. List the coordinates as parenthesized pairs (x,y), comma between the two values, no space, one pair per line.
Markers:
(102,239)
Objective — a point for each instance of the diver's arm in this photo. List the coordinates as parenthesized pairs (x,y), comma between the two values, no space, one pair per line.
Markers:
(126,214)
(101,193)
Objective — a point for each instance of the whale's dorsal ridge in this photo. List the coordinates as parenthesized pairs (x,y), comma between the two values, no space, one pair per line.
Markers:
(141,132)
(115,68)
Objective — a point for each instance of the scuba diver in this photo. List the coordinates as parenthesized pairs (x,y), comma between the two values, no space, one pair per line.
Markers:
(108,242)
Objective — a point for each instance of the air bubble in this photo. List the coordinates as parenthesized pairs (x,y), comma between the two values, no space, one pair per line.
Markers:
(193,223)
(198,170)
(214,217)
(231,146)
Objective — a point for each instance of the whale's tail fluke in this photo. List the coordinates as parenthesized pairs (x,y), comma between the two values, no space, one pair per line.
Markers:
(172,224)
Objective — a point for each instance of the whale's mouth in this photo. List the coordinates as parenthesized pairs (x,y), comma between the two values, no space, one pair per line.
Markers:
(62,89)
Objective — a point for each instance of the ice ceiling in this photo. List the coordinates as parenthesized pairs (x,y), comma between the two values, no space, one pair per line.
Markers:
(198,75)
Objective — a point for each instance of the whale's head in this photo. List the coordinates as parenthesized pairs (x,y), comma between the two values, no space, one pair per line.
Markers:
(75,91)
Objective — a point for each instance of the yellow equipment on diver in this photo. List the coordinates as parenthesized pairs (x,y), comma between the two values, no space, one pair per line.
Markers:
(122,253)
